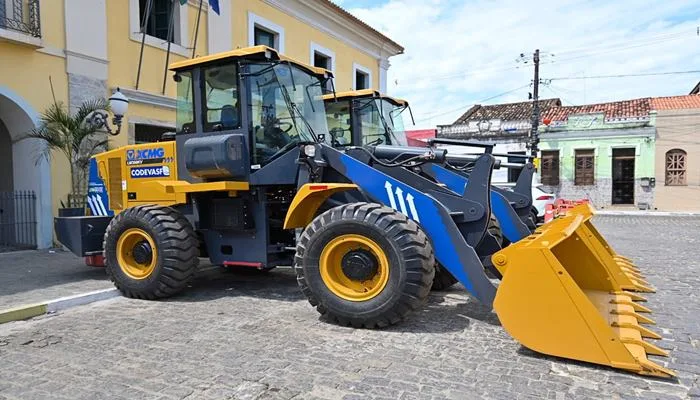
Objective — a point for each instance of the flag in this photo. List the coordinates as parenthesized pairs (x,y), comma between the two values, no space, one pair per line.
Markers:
(214,4)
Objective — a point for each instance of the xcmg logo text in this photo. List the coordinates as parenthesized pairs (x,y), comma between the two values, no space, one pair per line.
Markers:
(145,154)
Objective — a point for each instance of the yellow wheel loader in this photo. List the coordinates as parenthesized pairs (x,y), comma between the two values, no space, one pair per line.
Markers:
(246,180)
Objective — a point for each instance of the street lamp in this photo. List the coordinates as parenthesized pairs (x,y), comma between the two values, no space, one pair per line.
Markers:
(118,104)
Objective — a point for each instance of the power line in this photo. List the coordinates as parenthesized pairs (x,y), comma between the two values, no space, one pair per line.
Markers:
(584,52)
(549,87)
(570,78)
(431,116)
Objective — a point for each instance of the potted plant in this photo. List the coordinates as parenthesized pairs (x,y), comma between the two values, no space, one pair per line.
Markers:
(76,138)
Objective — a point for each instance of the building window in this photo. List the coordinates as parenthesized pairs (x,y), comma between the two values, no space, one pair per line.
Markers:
(157,22)
(362,78)
(675,167)
(550,167)
(584,173)
(264,32)
(323,58)
(265,38)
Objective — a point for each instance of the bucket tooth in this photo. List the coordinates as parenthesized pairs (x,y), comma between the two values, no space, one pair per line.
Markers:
(633,296)
(629,302)
(632,273)
(650,368)
(623,258)
(644,332)
(642,319)
(648,347)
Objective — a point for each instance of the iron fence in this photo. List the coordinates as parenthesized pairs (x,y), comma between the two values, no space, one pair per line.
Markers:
(21,16)
(17,220)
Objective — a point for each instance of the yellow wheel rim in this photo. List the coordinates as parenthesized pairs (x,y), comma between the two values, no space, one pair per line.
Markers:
(125,254)
(338,282)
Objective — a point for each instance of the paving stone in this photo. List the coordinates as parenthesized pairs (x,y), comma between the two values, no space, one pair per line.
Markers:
(255,337)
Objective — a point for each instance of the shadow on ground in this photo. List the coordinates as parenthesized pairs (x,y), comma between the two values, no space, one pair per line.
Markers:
(448,311)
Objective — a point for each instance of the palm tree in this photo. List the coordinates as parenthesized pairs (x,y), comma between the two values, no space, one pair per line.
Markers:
(74,137)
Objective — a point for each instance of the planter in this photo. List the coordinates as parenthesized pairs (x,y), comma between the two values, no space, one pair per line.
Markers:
(71,212)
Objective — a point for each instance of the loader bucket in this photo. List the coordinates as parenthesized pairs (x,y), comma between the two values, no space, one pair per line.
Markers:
(626,264)
(562,295)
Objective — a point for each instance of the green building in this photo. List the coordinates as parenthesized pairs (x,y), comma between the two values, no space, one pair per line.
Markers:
(601,152)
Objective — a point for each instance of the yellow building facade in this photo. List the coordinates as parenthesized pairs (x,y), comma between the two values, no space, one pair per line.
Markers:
(74,50)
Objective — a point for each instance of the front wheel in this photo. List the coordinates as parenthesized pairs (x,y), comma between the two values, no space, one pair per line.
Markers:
(150,252)
(365,265)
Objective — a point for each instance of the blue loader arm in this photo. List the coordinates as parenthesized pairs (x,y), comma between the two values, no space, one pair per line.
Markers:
(512,226)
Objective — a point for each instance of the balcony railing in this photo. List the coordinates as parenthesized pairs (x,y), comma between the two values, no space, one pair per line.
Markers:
(21,16)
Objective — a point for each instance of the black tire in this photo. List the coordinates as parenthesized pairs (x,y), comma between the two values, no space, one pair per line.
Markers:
(533,216)
(407,249)
(176,251)
(444,279)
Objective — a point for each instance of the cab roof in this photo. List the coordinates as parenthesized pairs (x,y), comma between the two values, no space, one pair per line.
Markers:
(261,53)
(365,93)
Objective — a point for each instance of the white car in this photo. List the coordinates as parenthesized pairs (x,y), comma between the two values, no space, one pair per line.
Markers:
(540,198)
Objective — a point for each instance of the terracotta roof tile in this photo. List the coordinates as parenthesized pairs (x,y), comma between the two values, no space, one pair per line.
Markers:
(614,110)
(676,102)
(505,112)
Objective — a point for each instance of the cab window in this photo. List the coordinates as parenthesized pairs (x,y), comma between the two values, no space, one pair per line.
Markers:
(221,110)
(184,114)
(338,118)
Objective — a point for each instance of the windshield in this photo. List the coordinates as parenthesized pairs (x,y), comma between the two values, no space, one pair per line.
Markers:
(394,118)
(381,122)
(286,108)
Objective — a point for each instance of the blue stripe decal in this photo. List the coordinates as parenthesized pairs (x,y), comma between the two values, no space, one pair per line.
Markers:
(500,206)
(97,196)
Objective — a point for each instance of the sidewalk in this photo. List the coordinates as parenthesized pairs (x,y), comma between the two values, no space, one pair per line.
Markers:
(28,277)
(640,213)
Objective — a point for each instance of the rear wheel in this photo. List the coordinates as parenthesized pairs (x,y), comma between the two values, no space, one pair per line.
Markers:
(444,279)
(365,265)
(150,252)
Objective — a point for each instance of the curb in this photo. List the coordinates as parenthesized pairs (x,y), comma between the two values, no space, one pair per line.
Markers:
(52,306)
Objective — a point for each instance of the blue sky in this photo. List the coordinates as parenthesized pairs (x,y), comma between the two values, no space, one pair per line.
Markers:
(462,52)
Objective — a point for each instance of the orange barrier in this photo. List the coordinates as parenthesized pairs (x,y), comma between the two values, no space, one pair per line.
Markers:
(560,207)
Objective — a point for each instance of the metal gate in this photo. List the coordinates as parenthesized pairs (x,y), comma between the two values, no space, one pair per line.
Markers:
(17,220)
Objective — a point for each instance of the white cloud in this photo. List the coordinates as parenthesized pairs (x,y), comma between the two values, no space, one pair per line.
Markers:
(458,53)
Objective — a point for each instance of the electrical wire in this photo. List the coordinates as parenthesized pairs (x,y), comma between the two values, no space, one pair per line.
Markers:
(570,78)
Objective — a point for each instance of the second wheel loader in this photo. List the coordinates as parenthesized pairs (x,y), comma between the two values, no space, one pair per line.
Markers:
(241,183)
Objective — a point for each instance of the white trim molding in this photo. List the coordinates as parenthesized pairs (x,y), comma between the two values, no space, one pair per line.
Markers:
(21,38)
(256,20)
(357,67)
(139,96)
(384,65)
(180,34)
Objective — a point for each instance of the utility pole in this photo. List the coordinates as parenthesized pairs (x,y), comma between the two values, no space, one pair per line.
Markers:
(534,136)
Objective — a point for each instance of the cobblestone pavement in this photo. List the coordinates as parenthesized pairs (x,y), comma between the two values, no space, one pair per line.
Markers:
(255,337)
(34,276)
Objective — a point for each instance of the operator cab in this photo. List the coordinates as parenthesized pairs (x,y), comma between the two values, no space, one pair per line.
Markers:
(266,101)
(365,118)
